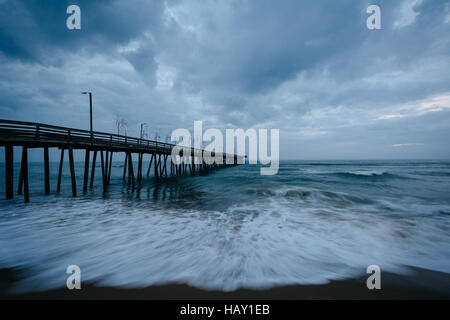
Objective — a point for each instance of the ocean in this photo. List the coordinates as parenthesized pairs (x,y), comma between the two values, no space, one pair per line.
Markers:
(313,222)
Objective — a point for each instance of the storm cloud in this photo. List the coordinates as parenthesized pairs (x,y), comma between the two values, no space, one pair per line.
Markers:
(312,69)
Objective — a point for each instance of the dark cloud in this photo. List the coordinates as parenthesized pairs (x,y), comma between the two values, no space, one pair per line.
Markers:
(310,68)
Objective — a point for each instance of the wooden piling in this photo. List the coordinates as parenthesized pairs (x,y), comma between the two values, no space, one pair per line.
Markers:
(150,165)
(58,188)
(9,172)
(130,170)
(86,170)
(46,171)
(156,166)
(160,165)
(102,160)
(110,165)
(20,185)
(94,161)
(140,155)
(125,166)
(106,166)
(138,168)
(24,166)
(72,172)
(141,165)
(165,164)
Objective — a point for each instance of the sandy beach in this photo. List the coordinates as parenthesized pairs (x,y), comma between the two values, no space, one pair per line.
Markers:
(421,284)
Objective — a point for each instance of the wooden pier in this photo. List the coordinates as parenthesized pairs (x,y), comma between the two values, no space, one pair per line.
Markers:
(37,135)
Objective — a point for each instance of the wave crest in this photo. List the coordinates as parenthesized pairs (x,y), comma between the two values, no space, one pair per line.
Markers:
(368,175)
(305,194)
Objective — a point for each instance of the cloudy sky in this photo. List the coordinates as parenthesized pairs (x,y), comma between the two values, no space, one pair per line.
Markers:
(312,69)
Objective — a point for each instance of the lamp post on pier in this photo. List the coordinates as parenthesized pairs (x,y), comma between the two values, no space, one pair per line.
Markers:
(142,129)
(90,111)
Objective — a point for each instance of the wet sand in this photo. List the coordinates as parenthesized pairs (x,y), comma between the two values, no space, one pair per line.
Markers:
(420,284)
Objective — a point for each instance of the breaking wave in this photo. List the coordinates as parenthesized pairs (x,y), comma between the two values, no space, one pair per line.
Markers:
(369,175)
(230,229)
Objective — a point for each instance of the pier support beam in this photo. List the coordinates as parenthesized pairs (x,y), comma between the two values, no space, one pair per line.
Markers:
(24,175)
(106,166)
(46,171)
(72,172)
(125,166)
(58,188)
(140,168)
(110,165)
(9,172)
(160,166)
(102,160)
(165,164)
(94,161)
(130,170)
(156,166)
(20,185)
(86,170)
(150,165)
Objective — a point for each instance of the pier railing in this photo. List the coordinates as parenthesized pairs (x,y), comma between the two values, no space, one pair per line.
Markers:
(32,131)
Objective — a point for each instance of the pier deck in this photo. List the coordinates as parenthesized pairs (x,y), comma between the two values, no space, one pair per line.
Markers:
(38,135)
